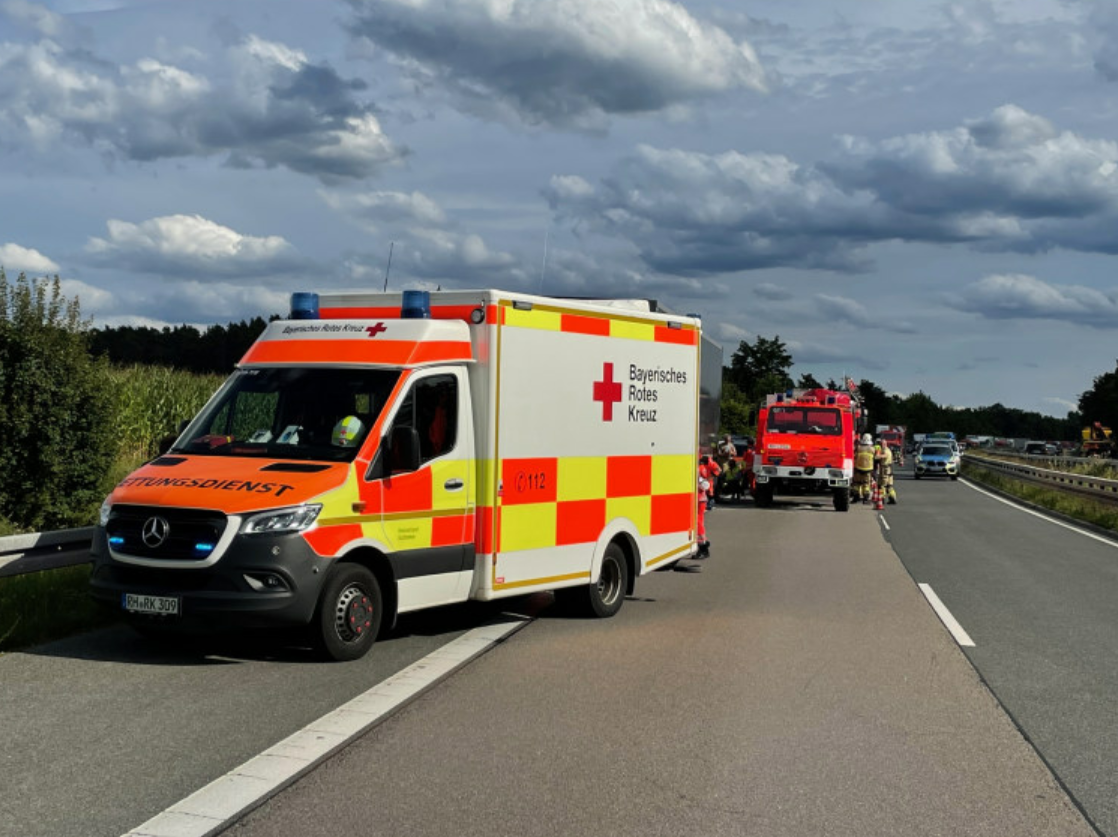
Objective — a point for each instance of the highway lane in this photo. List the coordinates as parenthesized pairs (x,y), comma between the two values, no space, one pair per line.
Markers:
(100,732)
(1041,604)
(799,685)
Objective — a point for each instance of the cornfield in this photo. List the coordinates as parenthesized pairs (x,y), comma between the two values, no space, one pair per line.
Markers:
(151,401)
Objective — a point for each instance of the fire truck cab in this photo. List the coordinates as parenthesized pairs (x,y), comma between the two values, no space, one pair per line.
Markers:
(805,445)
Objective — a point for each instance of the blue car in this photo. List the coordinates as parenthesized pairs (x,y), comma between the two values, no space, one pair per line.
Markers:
(936,459)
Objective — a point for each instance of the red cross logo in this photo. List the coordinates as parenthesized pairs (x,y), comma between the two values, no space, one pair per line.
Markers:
(608,391)
(374,330)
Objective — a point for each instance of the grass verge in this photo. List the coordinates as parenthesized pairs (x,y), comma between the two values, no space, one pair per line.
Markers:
(39,607)
(1079,508)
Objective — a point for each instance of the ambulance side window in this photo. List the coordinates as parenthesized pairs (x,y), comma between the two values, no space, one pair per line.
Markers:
(431,407)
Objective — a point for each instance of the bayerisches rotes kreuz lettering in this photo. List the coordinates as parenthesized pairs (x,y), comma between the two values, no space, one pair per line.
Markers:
(647,389)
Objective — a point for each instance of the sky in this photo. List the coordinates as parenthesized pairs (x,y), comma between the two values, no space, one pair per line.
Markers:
(922,194)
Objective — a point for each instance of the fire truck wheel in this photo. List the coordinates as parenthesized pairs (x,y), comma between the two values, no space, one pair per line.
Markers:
(348,615)
(763,496)
(842,499)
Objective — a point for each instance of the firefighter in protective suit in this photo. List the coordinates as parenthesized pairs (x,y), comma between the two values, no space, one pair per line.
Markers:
(863,468)
(883,457)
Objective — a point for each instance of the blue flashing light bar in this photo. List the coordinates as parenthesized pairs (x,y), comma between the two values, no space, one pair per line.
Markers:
(204,548)
(116,540)
(416,305)
(304,306)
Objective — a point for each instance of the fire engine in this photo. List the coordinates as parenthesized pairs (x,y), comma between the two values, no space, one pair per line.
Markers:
(805,445)
(383,453)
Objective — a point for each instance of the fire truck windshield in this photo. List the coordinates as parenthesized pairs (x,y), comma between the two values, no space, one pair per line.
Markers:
(290,413)
(820,421)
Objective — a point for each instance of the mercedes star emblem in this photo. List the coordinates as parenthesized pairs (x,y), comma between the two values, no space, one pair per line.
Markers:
(155,531)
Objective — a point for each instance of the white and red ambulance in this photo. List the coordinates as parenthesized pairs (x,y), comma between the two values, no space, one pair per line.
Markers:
(382,453)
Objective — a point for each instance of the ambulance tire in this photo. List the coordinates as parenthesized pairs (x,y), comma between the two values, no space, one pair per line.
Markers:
(605,598)
(763,496)
(348,615)
(842,499)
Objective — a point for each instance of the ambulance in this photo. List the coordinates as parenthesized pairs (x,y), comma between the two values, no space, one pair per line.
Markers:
(378,454)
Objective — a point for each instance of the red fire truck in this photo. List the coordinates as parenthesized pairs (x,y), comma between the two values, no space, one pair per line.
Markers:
(805,445)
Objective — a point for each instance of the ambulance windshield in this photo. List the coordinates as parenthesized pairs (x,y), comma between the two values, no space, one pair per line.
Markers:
(291,413)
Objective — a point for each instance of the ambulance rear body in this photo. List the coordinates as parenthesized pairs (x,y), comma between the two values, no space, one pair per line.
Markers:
(359,465)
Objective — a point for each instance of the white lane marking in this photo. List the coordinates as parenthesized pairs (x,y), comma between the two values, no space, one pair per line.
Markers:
(884,522)
(945,616)
(214,807)
(1011,504)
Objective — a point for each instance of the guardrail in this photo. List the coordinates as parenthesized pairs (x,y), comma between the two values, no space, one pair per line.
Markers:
(1096,488)
(20,554)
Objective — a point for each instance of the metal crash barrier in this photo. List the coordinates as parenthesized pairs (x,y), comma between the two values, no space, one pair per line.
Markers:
(39,551)
(1096,488)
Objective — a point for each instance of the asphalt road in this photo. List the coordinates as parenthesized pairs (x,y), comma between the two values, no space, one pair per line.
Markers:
(101,732)
(1041,604)
(799,685)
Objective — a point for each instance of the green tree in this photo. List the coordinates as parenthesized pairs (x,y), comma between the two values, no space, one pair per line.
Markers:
(761,368)
(1100,402)
(56,443)
(737,416)
(809,381)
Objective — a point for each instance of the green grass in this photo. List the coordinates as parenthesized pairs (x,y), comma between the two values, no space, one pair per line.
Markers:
(1079,508)
(39,607)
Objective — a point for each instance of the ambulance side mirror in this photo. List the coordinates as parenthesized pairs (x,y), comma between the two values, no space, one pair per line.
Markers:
(403,450)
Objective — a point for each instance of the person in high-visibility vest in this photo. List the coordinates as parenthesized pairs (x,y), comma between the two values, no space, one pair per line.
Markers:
(863,468)
(883,457)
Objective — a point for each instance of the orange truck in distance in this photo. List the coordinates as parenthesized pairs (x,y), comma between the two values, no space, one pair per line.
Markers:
(383,453)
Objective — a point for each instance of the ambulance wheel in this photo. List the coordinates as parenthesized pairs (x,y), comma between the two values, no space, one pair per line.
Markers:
(763,496)
(605,598)
(348,614)
(842,499)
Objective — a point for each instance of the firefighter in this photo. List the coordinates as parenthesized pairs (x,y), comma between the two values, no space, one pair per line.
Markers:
(863,468)
(883,458)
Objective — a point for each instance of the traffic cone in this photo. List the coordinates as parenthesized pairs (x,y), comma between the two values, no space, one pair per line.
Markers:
(878,503)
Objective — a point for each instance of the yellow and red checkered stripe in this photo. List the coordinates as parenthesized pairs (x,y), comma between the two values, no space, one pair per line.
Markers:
(544,317)
(559,501)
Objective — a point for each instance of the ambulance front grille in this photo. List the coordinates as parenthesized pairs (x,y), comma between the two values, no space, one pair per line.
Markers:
(187,534)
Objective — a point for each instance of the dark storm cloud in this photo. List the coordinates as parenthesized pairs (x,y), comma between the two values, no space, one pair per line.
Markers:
(1008,181)
(565,63)
(1024,297)
(260,103)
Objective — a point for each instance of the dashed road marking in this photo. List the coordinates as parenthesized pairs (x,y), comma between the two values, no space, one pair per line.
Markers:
(949,621)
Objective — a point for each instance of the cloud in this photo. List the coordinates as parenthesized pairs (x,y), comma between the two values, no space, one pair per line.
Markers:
(1007,181)
(1070,406)
(1020,296)
(191,246)
(37,17)
(387,208)
(25,260)
(775,293)
(258,103)
(566,63)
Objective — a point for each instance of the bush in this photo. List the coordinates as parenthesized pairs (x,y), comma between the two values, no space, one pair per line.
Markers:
(56,439)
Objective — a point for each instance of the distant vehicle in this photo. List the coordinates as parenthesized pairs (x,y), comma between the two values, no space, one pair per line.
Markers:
(1041,449)
(937,459)
(1097,441)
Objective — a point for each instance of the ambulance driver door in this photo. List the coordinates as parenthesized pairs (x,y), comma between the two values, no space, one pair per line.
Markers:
(428,514)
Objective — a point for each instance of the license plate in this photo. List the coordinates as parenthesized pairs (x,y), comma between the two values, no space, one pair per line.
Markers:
(159,605)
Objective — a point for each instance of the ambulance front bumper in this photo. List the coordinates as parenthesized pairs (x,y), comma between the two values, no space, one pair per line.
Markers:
(259,581)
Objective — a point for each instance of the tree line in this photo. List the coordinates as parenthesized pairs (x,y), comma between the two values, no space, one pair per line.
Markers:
(763,366)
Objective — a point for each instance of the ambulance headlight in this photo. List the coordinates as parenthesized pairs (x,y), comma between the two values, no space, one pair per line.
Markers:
(106,510)
(282,521)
